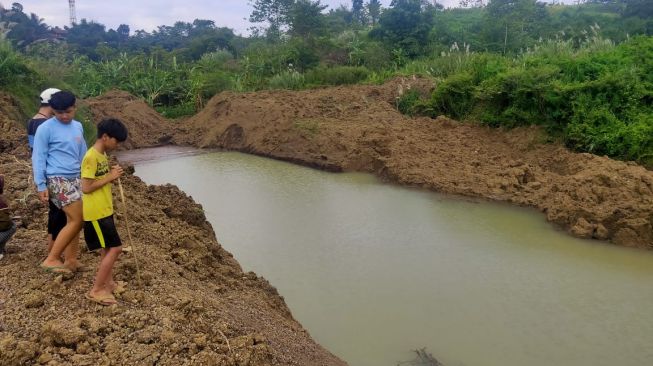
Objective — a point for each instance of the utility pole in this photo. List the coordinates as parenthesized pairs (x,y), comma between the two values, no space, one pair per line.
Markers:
(73,16)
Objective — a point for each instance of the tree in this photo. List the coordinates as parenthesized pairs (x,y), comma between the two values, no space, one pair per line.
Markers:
(306,18)
(17,7)
(639,8)
(274,12)
(472,3)
(374,11)
(358,11)
(86,36)
(23,29)
(123,32)
(404,27)
(513,24)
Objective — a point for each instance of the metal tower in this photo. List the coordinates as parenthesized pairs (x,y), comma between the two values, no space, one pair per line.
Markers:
(73,17)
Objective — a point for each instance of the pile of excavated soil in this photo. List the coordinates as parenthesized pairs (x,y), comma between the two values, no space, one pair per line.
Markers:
(357,128)
(193,305)
(146,126)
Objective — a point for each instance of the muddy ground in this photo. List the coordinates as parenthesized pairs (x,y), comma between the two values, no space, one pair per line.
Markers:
(195,305)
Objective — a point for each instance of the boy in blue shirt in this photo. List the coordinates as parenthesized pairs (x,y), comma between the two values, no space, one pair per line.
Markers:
(59,148)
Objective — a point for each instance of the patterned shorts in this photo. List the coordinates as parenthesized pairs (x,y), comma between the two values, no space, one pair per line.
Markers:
(64,191)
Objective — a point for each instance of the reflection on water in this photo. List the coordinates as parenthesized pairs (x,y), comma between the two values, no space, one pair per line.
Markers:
(374,271)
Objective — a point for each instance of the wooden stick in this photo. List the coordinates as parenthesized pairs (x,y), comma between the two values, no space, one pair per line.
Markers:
(129,234)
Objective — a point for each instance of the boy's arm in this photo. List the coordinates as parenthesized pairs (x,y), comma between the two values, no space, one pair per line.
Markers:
(90,185)
(39,158)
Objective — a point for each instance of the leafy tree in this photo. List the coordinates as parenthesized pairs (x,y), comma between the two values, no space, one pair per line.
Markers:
(86,36)
(274,12)
(513,24)
(472,3)
(22,29)
(358,11)
(17,7)
(638,8)
(404,26)
(374,11)
(338,20)
(306,18)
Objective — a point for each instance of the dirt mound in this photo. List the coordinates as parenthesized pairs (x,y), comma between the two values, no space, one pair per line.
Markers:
(13,138)
(358,128)
(194,305)
(146,127)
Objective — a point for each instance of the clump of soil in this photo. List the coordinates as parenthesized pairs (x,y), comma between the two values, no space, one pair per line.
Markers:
(194,305)
(357,128)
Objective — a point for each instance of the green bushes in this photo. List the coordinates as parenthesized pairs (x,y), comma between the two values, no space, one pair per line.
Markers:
(18,78)
(290,79)
(340,75)
(13,69)
(598,98)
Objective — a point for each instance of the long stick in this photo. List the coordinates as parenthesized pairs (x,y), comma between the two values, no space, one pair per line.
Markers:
(129,233)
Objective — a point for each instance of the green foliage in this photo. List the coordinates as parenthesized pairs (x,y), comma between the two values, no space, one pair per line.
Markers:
(599,98)
(13,67)
(410,103)
(17,77)
(177,111)
(290,79)
(513,24)
(405,26)
(340,75)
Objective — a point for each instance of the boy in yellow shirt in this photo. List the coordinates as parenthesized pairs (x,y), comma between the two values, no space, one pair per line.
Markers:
(99,228)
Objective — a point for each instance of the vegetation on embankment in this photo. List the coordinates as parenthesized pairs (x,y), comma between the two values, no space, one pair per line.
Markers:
(598,98)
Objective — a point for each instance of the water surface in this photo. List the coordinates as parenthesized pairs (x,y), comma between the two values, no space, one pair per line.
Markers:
(373,271)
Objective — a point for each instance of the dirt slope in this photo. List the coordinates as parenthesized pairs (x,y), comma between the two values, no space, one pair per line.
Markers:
(358,128)
(194,306)
(146,126)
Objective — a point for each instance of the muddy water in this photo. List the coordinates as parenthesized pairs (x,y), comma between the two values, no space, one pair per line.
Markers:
(374,271)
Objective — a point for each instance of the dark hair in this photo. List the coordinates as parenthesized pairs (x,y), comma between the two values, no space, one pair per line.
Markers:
(60,101)
(113,127)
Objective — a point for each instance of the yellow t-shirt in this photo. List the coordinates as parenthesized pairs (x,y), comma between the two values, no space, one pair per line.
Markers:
(97,204)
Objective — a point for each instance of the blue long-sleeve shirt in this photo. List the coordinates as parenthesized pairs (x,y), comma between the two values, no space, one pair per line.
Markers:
(58,151)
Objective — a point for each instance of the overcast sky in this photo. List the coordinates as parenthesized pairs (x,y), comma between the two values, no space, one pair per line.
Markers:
(148,14)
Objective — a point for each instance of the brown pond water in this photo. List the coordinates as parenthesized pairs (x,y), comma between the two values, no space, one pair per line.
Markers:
(373,271)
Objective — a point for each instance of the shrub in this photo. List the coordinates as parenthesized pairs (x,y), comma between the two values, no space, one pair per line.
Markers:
(598,97)
(410,103)
(287,80)
(340,75)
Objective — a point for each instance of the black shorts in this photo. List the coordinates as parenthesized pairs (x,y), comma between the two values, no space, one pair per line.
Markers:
(56,220)
(101,234)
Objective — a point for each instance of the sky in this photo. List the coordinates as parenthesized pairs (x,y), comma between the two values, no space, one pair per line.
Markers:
(148,14)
